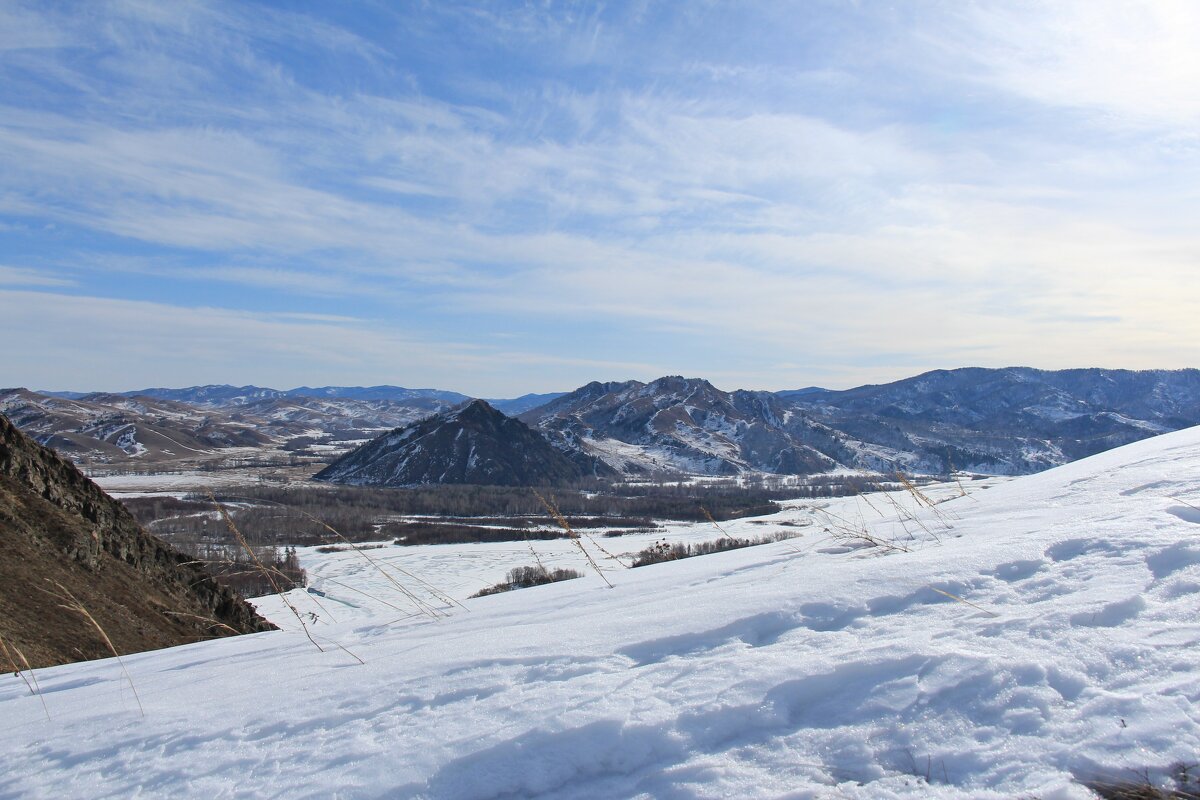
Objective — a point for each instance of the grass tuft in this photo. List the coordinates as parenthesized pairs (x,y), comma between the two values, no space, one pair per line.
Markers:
(71,603)
(27,676)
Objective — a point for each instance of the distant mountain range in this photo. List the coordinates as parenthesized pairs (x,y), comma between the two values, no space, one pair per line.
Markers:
(225,395)
(1008,421)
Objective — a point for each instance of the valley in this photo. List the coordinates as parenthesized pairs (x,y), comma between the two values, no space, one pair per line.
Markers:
(318,466)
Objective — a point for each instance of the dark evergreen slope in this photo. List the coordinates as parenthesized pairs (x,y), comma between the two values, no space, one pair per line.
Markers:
(57,527)
(473,443)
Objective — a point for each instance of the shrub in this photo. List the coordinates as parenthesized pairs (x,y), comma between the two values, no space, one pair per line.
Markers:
(524,577)
(663,550)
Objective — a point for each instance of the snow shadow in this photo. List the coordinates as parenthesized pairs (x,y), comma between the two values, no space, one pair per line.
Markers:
(755,631)
(1186,513)
(613,758)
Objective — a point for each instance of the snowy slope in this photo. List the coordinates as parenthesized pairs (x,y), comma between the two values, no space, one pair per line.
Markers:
(804,668)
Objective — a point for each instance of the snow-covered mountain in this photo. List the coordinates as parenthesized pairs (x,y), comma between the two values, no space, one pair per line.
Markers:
(1014,420)
(519,405)
(1015,642)
(685,425)
(107,428)
(1010,421)
(118,428)
(473,443)
(1006,421)
(226,395)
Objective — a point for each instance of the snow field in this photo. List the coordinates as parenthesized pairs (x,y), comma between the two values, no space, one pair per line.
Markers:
(1036,633)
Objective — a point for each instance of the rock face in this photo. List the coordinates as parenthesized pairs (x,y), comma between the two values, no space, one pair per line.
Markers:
(473,444)
(58,529)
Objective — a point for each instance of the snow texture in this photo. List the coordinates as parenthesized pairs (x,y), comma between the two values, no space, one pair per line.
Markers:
(1031,635)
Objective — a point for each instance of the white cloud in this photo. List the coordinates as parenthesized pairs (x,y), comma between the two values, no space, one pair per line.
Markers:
(1135,61)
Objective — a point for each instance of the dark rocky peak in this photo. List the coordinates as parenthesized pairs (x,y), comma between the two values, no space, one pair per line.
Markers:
(476,412)
(472,444)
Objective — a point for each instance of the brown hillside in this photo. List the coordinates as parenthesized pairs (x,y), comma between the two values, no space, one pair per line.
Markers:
(57,527)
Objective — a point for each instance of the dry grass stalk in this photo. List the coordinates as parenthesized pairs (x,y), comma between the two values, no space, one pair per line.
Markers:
(421,605)
(537,559)
(364,594)
(1186,503)
(1111,786)
(237,534)
(425,607)
(27,676)
(214,622)
(843,530)
(562,521)
(713,520)
(572,533)
(962,490)
(863,496)
(968,602)
(913,490)
(903,514)
(71,603)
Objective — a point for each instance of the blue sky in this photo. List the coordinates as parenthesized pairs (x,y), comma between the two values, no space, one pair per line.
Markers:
(498,198)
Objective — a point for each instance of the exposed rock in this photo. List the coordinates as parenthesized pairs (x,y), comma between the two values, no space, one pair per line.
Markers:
(57,527)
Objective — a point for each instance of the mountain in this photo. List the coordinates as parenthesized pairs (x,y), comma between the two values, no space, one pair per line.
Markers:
(61,534)
(526,402)
(1009,421)
(225,395)
(685,425)
(1014,420)
(100,428)
(398,394)
(473,443)
(109,428)
(211,395)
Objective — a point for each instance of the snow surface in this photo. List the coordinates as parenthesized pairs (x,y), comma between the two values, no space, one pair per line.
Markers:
(1034,634)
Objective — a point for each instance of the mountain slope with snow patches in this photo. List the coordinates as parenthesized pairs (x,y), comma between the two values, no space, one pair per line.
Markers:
(1013,641)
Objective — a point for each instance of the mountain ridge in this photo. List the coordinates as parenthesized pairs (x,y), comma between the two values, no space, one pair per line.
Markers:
(1011,420)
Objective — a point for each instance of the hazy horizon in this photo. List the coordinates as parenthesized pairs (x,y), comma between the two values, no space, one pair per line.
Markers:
(564,390)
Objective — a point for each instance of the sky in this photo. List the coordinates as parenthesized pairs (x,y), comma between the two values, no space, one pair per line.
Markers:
(500,198)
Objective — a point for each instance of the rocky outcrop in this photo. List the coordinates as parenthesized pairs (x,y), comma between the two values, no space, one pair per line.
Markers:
(60,531)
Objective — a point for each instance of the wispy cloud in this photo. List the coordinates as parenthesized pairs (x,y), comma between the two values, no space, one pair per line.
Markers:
(713,188)
(19,276)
